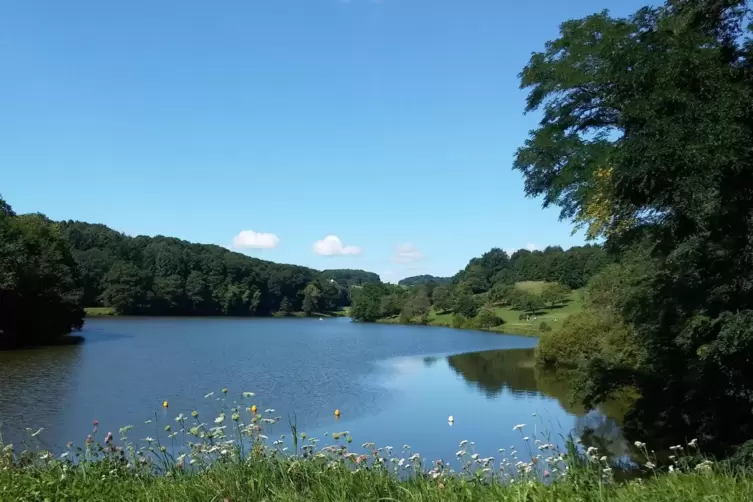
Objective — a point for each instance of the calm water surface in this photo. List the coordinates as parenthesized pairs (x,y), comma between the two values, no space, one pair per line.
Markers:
(393,384)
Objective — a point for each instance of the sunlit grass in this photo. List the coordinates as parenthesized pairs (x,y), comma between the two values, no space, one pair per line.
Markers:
(229,456)
(99,311)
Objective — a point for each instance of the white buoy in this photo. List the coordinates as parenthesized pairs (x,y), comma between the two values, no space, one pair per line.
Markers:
(321,319)
(450,419)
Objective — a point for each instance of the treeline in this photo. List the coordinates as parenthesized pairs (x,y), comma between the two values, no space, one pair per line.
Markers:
(168,276)
(40,296)
(486,283)
(646,140)
(418,280)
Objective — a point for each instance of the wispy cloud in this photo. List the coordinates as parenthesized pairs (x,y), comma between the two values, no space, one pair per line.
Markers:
(333,246)
(407,253)
(248,239)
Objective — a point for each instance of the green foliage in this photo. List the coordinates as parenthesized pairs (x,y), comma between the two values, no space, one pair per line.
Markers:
(573,267)
(349,277)
(421,304)
(311,299)
(421,280)
(647,140)
(367,302)
(487,318)
(459,321)
(166,276)
(40,297)
(465,304)
(555,293)
(442,298)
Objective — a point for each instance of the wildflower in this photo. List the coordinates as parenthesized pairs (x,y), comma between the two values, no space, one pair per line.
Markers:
(95,422)
(180,418)
(248,394)
(460,453)
(638,444)
(108,437)
(463,443)
(671,468)
(195,414)
(603,458)
(693,443)
(236,417)
(607,470)
(89,439)
(269,410)
(65,454)
(406,447)
(167,428)
(220,419)
(148,439)
(525,438)
(206,396)
(518,427)
(650,465)
(70,444)
(224,390)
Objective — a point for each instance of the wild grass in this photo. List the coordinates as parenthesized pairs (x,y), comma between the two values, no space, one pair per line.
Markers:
(229,458)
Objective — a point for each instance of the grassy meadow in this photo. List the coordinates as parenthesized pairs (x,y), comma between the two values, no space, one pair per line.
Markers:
(513,324)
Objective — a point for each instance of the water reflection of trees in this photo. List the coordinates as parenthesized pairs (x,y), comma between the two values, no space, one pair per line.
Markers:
(493,371)
(35,389)
(514,370)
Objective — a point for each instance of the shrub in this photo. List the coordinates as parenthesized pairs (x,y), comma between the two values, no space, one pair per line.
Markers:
(487,318)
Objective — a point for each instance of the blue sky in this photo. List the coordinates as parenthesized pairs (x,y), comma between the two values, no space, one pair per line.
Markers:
(390,125)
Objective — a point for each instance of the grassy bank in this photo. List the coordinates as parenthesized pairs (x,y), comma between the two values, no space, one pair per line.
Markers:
(99,311)
(227,456)
(307,481)
(552,316)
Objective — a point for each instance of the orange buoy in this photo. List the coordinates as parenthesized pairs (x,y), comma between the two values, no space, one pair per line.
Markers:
(253,409)
(164,404)
(337,413)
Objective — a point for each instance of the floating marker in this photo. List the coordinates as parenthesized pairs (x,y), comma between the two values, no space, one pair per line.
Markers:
(450,419)
(164,404)
(253,409)
(337,413)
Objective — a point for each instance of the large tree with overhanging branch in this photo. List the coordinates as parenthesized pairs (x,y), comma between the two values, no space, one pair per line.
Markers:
(646,140)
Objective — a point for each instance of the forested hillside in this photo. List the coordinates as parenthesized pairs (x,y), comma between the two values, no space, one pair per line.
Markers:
(163,275)
(417,280)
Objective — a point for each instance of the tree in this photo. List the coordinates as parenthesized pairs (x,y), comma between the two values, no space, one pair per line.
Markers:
(442,298)
(366,303)
(420,303)
(126,289)
(286,306)
(531,303)
(555,293)
(311,295)
(487,318)
(39,283)
(647,140)
(465,304)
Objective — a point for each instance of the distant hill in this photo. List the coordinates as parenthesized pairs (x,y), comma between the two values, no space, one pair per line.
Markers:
(168,276)
(418,280)
(350,277)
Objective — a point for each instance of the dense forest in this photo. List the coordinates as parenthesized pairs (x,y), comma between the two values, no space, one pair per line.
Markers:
(168,276)
(485,283)
(646,141)
(418,280)
(40,295)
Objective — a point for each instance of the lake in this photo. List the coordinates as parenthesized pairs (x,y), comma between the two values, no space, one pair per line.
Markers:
(393,384)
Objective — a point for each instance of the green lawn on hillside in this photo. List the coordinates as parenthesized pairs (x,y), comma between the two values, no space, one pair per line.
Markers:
(513,325)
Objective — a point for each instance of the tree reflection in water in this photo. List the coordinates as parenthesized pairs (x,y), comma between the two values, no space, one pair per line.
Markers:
(514,371)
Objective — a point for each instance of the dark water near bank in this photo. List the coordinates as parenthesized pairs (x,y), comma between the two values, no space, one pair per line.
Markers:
(393,384)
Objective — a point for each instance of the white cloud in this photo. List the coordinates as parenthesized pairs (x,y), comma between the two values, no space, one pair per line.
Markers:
(407,253)
(248,239)
(531,246)
(333,246)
